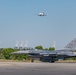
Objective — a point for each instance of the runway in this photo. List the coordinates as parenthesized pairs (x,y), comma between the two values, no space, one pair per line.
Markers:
(22,68)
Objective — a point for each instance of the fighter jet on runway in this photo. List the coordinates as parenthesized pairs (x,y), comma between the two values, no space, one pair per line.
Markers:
(51,56)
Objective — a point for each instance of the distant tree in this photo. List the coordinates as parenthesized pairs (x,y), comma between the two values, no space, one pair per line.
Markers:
(46,49)
(1,55)
(39,47)
(6,52)
(51,48)
(19,56)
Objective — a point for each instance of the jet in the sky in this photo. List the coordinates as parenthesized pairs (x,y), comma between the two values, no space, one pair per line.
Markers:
(41,14)
(51,56)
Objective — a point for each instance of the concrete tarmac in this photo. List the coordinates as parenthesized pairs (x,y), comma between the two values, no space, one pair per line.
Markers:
(23,68)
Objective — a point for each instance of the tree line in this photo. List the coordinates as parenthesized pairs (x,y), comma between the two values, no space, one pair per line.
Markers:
(41,48)
(6,53)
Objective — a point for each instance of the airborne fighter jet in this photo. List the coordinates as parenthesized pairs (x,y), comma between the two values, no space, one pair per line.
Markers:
(41,14)
(51,56)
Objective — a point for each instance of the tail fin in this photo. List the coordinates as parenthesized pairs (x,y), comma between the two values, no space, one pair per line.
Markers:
(71,45)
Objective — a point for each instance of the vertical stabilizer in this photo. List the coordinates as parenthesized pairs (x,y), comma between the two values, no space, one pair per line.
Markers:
(71,45)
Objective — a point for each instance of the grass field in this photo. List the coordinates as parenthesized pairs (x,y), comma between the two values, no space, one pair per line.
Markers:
(60,61)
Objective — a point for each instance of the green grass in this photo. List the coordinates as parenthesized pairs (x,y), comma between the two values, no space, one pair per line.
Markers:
(66,61)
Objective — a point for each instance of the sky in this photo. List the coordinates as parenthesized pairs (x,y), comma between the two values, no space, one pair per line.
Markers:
(19,21)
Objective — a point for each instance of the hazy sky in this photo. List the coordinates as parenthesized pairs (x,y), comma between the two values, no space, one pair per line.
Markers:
(19,22)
